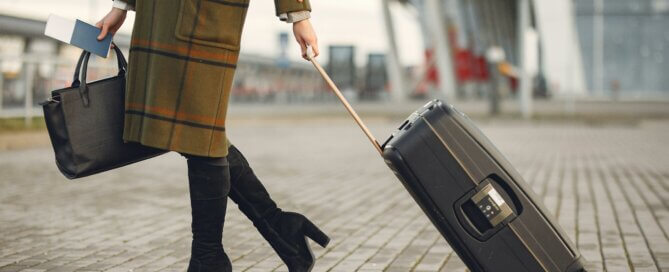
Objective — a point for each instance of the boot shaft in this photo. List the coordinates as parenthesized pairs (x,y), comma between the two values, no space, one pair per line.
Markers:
(209,185)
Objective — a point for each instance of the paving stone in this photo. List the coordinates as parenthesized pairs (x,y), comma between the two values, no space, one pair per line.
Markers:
(608,186)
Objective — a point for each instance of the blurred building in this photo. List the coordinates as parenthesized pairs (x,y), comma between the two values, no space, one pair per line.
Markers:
(474,49)
(376,78)
(267,79)
(574,48)
(32,65)
(625,46)
(459,36)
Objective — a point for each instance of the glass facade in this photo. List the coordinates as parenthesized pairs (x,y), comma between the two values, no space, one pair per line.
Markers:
(635,46)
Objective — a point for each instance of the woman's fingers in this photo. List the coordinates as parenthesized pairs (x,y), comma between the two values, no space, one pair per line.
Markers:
(111,22)
(305,36)
(314,50)
(103,33)
(99,25)
(303,47)
(310,41)
(314,47)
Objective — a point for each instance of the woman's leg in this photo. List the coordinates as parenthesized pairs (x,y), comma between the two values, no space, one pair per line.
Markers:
(209,184)
(285,231)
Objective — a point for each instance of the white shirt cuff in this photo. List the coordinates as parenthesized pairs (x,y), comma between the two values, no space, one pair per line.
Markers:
(122,5)
(294,17)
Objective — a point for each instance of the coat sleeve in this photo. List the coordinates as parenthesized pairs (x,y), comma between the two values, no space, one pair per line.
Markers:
(286,6)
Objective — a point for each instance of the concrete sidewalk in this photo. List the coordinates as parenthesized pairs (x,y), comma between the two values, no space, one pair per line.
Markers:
(607,184)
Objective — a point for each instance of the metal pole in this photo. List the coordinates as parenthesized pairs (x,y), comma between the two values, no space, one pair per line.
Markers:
(489,15)
(394,66)
(442,49)
(494,88)
(570,87)
(598,48)
(2,90)
(524,79)
(29,77)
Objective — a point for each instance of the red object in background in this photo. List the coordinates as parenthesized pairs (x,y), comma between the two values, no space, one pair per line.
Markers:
(432,75)
(464,65)
(469,67)
(480,69)
(513,83)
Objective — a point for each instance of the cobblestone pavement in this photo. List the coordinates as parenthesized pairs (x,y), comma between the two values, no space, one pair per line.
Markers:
(607,184)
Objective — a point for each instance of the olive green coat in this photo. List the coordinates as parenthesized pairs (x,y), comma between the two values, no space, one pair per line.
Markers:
(182,61)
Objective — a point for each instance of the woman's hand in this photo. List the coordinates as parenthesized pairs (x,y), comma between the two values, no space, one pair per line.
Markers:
(111,22)
(305,35)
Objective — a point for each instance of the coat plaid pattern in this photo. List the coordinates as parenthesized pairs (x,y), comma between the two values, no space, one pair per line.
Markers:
(182,61)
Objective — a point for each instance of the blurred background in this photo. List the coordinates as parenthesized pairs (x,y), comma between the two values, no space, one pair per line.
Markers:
(506,54)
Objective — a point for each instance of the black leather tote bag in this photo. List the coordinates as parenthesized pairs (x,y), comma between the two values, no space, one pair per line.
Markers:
(85,124)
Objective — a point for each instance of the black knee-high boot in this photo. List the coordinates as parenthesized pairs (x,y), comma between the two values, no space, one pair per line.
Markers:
(286,232)
(209,183)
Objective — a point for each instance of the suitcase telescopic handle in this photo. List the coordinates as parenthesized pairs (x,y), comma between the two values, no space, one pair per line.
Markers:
(344,101)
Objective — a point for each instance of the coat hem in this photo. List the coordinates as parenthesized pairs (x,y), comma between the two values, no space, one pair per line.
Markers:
(179,150)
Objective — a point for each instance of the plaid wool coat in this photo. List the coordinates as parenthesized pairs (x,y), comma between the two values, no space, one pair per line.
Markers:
(182,61)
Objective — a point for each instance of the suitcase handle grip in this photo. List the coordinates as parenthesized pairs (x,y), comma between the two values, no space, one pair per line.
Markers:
(343,100)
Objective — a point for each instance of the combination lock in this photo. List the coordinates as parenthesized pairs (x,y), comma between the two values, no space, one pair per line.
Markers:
(491,204)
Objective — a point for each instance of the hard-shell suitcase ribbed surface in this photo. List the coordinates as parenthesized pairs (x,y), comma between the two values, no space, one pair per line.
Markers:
(473,195)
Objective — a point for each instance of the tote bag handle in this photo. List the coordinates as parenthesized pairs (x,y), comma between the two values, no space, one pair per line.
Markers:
(83,61)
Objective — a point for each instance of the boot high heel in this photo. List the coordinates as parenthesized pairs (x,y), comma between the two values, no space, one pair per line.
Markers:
(286,232)
(294,229)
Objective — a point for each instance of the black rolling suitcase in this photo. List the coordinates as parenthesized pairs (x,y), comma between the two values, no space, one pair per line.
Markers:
(476,199)
(472,194)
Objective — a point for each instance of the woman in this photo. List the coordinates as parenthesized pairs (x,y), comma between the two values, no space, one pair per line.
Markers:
(183,56)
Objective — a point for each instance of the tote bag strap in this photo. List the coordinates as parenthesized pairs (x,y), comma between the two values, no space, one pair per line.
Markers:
(120,59)
(81,81)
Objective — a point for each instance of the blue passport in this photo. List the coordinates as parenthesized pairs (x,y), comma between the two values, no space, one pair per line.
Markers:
(79,34)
